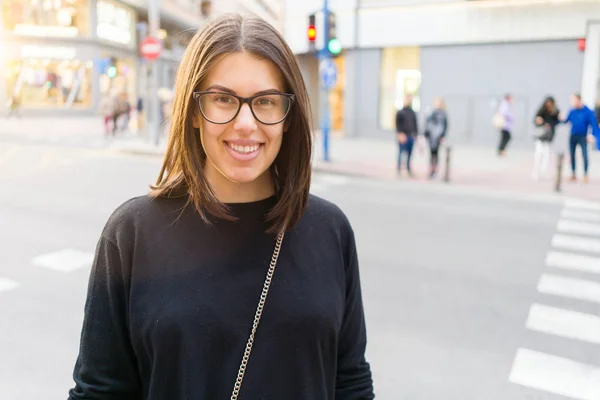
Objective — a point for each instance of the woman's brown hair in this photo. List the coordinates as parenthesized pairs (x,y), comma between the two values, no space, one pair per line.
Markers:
(182,172)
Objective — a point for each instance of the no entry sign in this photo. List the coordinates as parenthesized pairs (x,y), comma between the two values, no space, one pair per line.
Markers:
(150,48)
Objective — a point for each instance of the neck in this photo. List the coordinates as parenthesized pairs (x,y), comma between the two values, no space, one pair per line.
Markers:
(228,191)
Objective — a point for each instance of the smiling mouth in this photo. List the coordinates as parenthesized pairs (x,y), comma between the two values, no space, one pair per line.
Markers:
(244,149)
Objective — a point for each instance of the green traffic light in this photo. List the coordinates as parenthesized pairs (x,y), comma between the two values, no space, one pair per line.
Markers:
(111,72)
(334,46)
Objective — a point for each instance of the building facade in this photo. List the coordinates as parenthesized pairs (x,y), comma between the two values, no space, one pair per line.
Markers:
(64,56)
(471,52)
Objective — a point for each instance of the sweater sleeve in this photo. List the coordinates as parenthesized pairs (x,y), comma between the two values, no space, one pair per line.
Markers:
(354,381)
(399,121)
(106,365)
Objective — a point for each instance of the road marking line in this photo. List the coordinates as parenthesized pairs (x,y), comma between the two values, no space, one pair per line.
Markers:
(66,260)
(581,215)
(585,204)
(332,179)
(572,261)
(317,187)
(579,289)
(7,284)
(585,228)
(556,375)
(576,243)
(565,323)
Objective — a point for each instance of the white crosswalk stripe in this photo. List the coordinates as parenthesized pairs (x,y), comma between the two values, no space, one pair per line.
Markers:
(573,288)
(574,262)
(66,260)
(582,204)
(7,284)
(578,231)
(580,215)
(565,323)
(578,227)
(557,375)
(577,243)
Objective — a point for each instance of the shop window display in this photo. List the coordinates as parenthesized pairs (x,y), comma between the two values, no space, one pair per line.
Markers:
(50,83)
(58,18)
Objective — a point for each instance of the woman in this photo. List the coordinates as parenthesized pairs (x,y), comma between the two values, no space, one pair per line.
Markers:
(436,128)
(172,308)
(546,120)
(505,121)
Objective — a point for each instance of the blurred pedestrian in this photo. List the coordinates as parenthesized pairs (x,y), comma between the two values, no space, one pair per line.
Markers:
(181,277)
(505,120)
(597,111)
(581,119)
(406,132)
(107,110)
(123,110)
(436,128)
(14,106)
(546,120)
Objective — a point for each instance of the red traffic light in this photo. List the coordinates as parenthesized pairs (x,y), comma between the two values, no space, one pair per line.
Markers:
(312,33)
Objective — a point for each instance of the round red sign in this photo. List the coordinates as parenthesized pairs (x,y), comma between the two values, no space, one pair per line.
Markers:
(150,48)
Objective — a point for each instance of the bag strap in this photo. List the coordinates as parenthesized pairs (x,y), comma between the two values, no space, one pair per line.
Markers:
(257,315)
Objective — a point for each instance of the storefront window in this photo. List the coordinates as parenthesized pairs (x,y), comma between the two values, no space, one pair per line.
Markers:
(47,18)
(400,76)
(116,23)
(44,83)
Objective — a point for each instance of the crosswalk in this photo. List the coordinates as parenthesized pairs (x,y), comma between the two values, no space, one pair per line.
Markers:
(575,248)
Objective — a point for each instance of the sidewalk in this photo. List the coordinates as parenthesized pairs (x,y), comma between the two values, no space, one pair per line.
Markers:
(470,166)
(475,167)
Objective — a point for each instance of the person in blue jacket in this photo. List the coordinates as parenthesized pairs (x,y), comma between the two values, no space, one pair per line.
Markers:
(581,118)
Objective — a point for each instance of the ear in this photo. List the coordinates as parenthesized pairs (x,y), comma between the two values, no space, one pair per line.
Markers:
(196,120)
(286,125)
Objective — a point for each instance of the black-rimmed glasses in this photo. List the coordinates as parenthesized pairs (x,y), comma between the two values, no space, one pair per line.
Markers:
(222,108)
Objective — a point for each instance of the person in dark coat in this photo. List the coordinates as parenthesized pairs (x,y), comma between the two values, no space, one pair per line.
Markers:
(406,132)
(546,120)
(436,127)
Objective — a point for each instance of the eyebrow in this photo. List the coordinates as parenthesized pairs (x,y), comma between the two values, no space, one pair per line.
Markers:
(227,90)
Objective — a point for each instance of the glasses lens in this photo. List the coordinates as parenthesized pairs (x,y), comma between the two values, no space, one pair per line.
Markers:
(219,107)
(271,108)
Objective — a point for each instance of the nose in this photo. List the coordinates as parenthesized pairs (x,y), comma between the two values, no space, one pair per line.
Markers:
(245,121)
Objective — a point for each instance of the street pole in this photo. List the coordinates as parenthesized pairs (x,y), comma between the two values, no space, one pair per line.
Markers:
(559,168)
(153,105)
(324,57)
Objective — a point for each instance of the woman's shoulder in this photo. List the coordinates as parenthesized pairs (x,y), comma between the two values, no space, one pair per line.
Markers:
(137,213)
(323,212)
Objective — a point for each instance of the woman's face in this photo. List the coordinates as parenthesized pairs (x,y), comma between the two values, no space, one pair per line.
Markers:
(242,150)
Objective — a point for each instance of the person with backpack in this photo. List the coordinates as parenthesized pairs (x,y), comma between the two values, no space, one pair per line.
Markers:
(435,132)
(546,120)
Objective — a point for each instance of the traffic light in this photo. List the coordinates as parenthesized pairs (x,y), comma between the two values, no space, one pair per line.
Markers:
(334,46)
(312,30)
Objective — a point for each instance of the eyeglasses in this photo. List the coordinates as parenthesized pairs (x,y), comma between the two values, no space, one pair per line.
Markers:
(222,108)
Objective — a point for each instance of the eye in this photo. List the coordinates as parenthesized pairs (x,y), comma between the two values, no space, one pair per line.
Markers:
(223,99)
(265,101)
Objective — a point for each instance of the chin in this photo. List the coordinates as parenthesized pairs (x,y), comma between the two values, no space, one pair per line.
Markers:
(243,175)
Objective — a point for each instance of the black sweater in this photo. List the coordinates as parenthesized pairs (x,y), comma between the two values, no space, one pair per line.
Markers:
(406,122)
(171,302)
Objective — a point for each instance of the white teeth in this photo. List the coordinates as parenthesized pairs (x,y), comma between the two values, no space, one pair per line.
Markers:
(244,149)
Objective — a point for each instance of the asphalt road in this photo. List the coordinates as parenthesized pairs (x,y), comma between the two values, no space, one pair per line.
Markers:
(455,305)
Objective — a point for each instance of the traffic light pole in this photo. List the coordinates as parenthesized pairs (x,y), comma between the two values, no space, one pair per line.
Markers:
(324,57)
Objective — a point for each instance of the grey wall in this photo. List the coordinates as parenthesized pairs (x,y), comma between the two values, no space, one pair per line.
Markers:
(361,94)
(473,78)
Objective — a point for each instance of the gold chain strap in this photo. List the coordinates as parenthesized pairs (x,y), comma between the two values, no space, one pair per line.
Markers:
(259,310)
